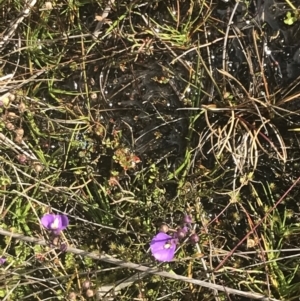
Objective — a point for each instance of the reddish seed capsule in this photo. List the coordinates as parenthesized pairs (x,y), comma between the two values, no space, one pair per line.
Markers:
(22,158)
(187,219)
(181,233)
(194,238)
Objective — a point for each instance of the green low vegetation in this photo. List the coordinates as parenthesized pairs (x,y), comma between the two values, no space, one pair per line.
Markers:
(126,116)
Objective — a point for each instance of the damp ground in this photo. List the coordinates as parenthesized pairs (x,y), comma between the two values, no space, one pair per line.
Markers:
(126,115)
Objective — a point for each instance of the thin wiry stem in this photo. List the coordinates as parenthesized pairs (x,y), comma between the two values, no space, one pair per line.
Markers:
(11,29)
(141,268)
(258,224)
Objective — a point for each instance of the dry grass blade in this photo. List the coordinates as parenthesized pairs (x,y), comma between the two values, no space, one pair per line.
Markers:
(236,138)
(228,136)
(141,268)
(109,292)
(101,20)
(9,32)
(11,84)
(126,115)
(259,58)
(224,56)
(223,72)
(10,144)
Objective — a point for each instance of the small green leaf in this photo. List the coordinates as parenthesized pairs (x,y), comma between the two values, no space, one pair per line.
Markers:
(289,20)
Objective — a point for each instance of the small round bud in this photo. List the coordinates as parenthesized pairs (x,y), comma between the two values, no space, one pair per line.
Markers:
(81,154)
(86,284)
(72,296)
(22,158)
(18,139)
(164,228)
(89,293)
(38,167)
(22,107)
(5,101)
(187,219)
(12,115)
(194,238)
(93,96)
(48,5)
(11,97)
(181,232)
(10,126)
(226,95)
(19,132)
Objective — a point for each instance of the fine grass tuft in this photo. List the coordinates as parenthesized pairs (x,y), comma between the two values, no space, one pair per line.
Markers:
(127,115)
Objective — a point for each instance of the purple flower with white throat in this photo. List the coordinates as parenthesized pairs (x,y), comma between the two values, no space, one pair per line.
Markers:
(163,247)
(55,222)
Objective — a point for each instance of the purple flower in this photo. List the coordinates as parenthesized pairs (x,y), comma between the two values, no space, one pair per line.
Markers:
(163,247)
(55,222)
(2,260)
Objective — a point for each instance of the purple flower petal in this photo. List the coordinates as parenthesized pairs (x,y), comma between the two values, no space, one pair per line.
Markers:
(2,260)
(47,220)
(64,221)
(55,222)
(163,247)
